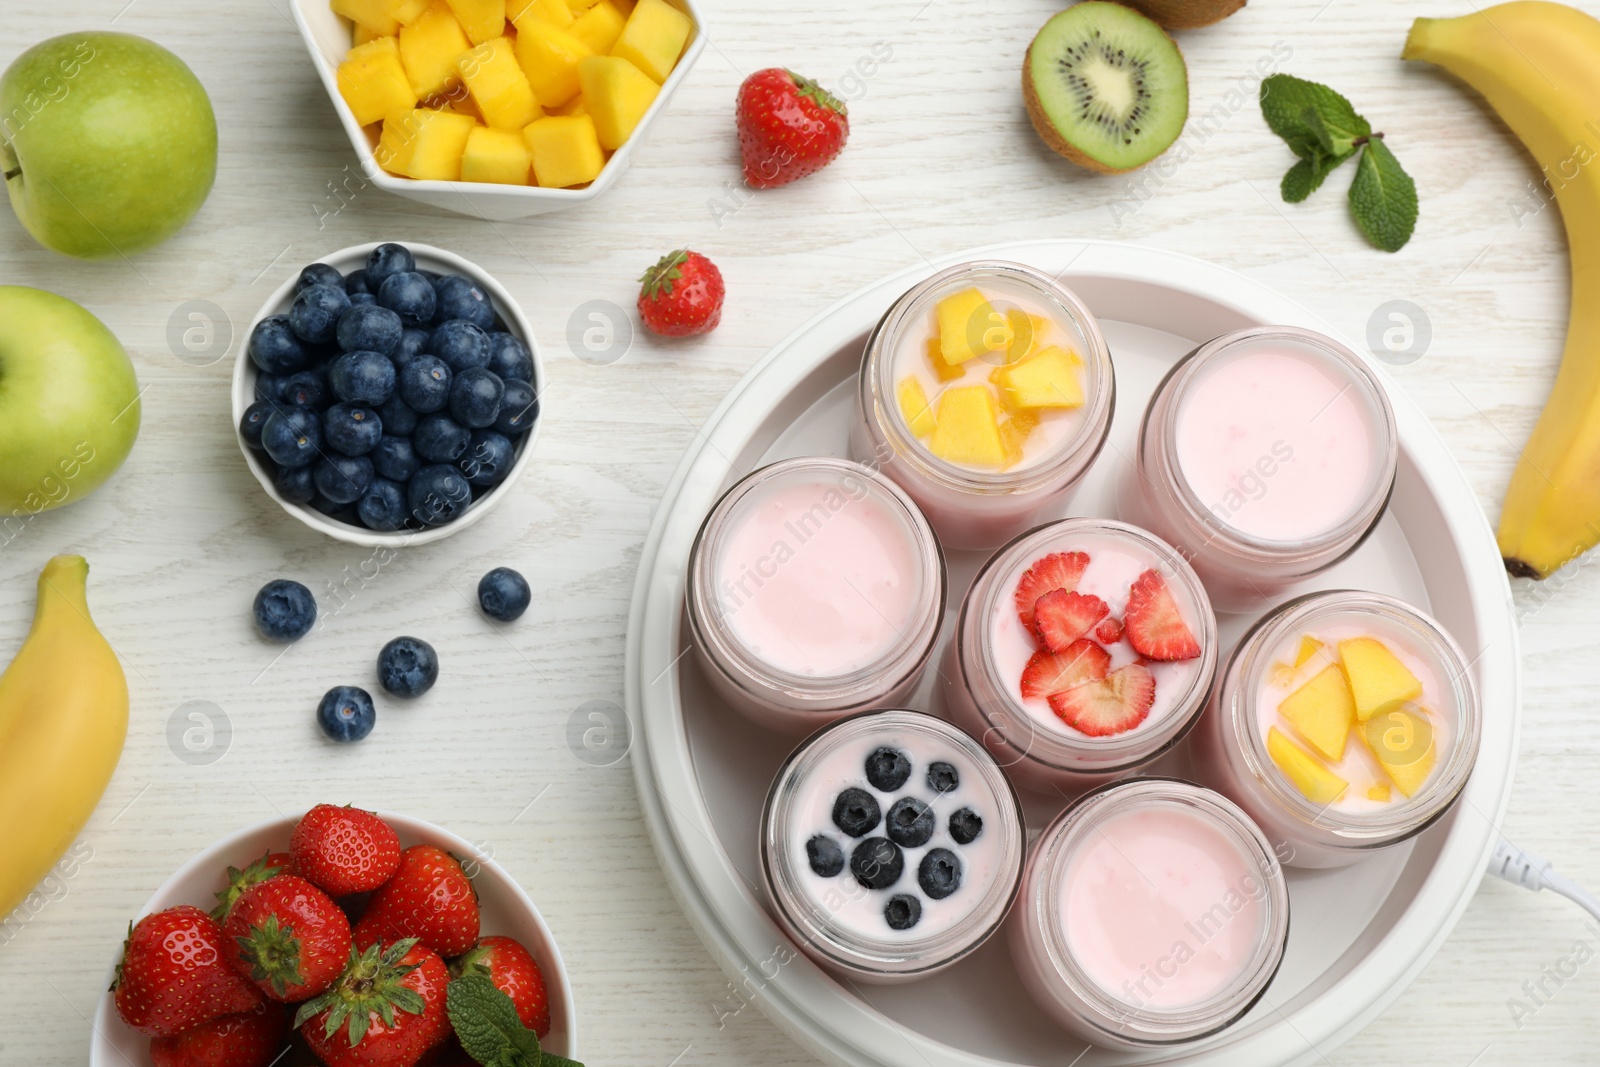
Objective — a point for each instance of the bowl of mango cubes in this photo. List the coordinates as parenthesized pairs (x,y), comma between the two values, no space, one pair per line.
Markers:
(499,109)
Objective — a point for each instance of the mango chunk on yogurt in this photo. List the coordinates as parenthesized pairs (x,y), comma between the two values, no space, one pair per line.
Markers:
(969,326)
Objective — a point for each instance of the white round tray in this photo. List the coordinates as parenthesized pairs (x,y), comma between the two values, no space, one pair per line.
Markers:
(1359,935)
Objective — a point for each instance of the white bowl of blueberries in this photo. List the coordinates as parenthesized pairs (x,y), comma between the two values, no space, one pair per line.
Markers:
(389,394)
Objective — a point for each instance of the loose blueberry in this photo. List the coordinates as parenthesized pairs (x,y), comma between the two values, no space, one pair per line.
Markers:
(856,811)
(413,342)
(342,479)
(460,344)
(254,419)
(351,429)
(385,261)
(382,506)
(437,495)
(440,439)
(407,667)
(488,459)
(363,300)
(398,417)
(824,855)
(877,863)
(965,826)
(346,713)
(410,296)
(475,397)
(888,769)
(272,387)
(295,484)
(362,377)
(292,436)
(356,282)
(910,823)
(394,458)
(368,328)
(510,358)
(274,348)
(504,594)
(314,315)
(939,873)
(462,298)
(285,611)
(519,408)
(943,777)
(903,911)
(424,384)
(307,389)
(318,274)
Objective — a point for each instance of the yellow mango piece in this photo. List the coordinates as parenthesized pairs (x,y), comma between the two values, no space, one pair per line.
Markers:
(968,427)
(1024,334)
(549,56)
(1402,740)
(600,26)
(1014,433)
(653,38)
(1378,680)
(1305,771)
(1321,712)
(566,150)
(360,35)
(1046,379)
(405,12)
(481,20)
(498,86)
(914,406)
(396,143)
(556,12)
(1379,793)
(429,144)
(1309,646)
(571,107)
(373,81)
(942,370)
(969,326)
(495,156)
(617,94)
(374,16)
(429,47)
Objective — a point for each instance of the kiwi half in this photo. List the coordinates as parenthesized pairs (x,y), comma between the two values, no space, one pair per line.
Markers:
(1187,14)
(1105,87)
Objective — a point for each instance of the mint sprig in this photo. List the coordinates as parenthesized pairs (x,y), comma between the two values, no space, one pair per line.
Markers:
(486,1024)
(1323,129)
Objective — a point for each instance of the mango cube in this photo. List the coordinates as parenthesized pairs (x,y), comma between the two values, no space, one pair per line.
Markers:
(1378,680)
(429,47)
(1047,379)
(481,20)
(550,55)
(406,12)
(558,12)
(617,94)
(1014,433)
(497,85)
(428,144)
(1305,771)
(397,142)
(600,26)
(1026,330)
(968,427)
(1309,646)
(1403,742)
(653,38)
(942,370)
(914,406)
(360,35)
(374,16)
(495,156)
(1379,793)
(566,150)
(969,326)
(1321,712)
(571,107)
(373,81)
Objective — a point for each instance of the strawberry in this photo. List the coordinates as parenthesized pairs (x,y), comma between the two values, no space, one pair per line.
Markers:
(288,937)
(429,898)
(789,127)
(386,1010)
(1155,628)
(681,295)
(514,972)
(267,866)
(174,974)
(344,850)
(1052,672)
(1109,632)
(254,1038)
(1115,703)
(1060,617)
(1059,570)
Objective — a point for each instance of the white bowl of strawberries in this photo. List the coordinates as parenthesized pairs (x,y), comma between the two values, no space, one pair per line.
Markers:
(344,938)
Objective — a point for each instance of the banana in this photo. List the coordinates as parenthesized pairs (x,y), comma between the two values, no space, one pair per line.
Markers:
(1538,65)
(63,717)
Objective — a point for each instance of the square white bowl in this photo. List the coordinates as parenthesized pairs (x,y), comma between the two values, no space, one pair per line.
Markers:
(328,36)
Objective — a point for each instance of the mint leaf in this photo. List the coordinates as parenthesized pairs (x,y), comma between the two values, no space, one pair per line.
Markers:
(488,1028)
(1304,178)
(1383,198)
(1285,100)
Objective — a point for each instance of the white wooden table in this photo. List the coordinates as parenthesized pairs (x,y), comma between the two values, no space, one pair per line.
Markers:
(941,158)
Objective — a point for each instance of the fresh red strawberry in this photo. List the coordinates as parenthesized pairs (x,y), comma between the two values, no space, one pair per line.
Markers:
(789,127)
(1059,570)
(1051,672)
(1155,628)
(514,972)
(174,974)
(1109,632)
(344,850)
(429,898)
(1115,703)
(250,1039)
(386,1010)
(1060,617)
(288,937)
(273,863)
(681,295)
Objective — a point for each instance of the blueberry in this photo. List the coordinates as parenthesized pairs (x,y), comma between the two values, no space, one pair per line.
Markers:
(475,397)
(255,417)
(460,344)
(504,594)
(274,348)
(437,494)
(413,342)
(295,485)
(342,479)
(856,811)
(488,459)
(351,429)
(362,377)
(318,274)
(462,298)
(903,911)
(314,315)
(965,826)
(939,873)
(307,389)
(519,409)
(272,387)
(323,504)
(346,713)
(510,358)
(910,823)
(387,260)
(943,777)
(362,300)
(424,384)
(356,282)
(375,329)
(877,863)
(398,417)
(440,439)
(292,436)
(409,295)
(825,855)
(285,611)
(382,506)
(408,667)
(888,769)
(394,458)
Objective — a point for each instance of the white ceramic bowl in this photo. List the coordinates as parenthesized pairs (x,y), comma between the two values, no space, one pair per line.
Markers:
(346,260)
(327,37)
(506,910)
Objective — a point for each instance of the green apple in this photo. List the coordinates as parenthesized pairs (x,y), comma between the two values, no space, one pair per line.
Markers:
(69,404)
(107,141)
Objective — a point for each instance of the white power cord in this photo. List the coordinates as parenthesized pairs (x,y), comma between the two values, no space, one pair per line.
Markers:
(1533,872)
